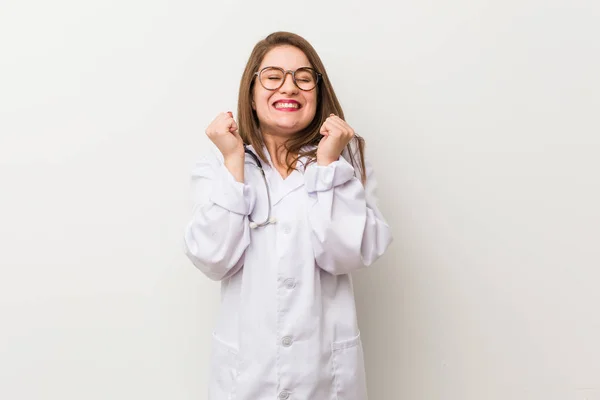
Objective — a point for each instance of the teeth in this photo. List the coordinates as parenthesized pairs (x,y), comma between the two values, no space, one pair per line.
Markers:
(286,105)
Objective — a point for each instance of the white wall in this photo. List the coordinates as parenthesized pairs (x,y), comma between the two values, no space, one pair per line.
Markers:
(481,118)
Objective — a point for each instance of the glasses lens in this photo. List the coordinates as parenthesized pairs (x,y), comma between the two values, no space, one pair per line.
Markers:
(306,79)
(271,78)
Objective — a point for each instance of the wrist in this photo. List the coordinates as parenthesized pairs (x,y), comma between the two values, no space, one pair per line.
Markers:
(234,158)
(235,165)
(325,161)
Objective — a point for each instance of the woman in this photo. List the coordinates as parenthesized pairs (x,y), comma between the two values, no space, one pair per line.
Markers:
(283,246)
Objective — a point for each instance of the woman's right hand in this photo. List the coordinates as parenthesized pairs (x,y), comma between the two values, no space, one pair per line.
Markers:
(223,132)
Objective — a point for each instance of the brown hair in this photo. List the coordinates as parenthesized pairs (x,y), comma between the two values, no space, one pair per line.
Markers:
(327,103)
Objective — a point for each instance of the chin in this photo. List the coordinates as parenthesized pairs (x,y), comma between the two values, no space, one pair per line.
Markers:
(286,126)
(292,128)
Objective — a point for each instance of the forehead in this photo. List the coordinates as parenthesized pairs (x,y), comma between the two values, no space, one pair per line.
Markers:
(286,57)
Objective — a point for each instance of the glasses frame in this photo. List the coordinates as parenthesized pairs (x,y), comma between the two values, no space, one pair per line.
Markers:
(293,73)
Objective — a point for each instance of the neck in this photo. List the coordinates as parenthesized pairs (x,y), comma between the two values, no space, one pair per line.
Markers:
(275,147)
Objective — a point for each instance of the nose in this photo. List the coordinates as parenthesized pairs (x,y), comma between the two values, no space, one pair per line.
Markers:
(288,84)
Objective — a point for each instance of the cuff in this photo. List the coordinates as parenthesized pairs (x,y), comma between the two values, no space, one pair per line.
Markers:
(321,178)
(231,194)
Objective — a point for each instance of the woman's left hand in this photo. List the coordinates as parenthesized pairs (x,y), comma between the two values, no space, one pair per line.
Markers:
(337,134)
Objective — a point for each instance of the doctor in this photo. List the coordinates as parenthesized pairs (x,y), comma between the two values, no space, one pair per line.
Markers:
(284,244)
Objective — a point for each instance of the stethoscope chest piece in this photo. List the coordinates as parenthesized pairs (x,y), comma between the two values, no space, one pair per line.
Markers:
(254,225)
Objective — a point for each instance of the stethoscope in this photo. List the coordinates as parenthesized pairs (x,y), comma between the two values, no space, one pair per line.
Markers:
(269,219)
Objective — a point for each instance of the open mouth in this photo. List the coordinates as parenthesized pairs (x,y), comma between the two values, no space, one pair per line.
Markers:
(287,105)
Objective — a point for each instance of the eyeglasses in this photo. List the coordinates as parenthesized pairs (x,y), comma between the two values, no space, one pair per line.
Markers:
(272,78)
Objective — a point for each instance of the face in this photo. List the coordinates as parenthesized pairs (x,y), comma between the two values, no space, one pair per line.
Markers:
(287,110)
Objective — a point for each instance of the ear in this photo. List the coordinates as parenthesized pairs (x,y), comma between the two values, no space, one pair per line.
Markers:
(253,105)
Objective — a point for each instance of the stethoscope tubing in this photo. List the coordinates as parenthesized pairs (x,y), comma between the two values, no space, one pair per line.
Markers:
(268,220)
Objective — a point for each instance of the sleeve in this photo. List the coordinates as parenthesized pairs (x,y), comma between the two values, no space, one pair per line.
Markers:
(348,230)
(218,234)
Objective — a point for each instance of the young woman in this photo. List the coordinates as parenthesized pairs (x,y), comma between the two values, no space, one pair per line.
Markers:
(285,210)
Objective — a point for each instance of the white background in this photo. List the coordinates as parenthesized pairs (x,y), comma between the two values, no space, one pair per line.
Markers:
(481,118)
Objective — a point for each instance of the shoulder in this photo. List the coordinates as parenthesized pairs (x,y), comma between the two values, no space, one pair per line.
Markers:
(355,154)
(210,158)
(211,154)
(352,152)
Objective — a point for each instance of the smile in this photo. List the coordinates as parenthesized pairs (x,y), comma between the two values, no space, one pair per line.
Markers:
(287,105)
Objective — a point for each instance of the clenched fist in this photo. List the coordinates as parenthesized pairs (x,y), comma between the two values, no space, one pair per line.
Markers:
(223,132)
(337,134)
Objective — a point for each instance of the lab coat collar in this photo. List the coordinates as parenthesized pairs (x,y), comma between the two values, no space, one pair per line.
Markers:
(278,186)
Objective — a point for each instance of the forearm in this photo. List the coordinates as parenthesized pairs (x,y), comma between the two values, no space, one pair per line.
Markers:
(235,165)
(215,241)
(348,231)
(218,233)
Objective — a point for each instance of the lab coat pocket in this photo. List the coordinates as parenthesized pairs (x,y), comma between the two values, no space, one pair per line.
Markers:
(224,368)
(349,370)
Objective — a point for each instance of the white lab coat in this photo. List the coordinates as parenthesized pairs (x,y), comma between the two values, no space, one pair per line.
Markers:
(287,327)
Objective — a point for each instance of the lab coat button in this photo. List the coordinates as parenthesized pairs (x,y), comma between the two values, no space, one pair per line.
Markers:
(286,229)
(290,283)
(286,341)
(284,395)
